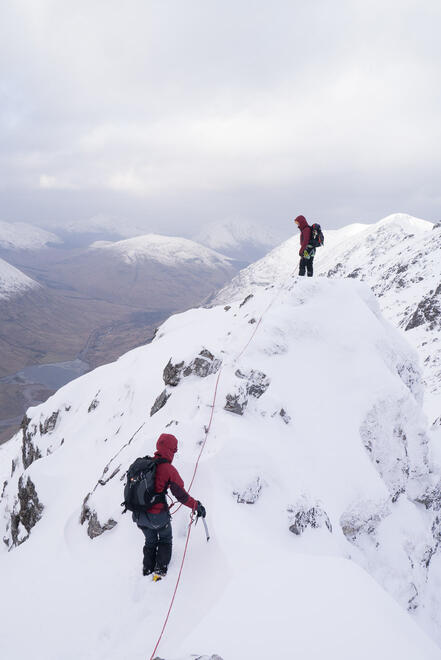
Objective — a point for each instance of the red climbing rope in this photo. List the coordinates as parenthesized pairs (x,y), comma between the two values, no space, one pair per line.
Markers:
(207,430)
(176,588)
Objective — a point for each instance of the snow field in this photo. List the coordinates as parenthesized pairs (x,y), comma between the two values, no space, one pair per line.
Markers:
(256,590)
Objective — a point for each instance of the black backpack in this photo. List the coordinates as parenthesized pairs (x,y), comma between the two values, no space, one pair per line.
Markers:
(139,490)
(316,239)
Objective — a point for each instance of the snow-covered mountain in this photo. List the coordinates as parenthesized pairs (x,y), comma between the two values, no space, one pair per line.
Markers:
(13,281)
(22,236)
(167,250)
(101,224)
(316,462)
(399,257)
(239,239)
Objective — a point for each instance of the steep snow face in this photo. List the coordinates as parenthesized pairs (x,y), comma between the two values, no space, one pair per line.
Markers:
(21,236)
(399,257)
(238,238)
(167,250)
(13,281)
(316,455)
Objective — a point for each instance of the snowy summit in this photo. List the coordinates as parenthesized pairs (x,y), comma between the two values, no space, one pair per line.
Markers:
(21,236)
(13,281)
(167,250)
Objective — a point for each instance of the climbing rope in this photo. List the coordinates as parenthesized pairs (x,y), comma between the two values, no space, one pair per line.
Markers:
(207,431)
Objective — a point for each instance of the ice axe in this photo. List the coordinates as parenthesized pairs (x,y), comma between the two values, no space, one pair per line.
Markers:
(207,533)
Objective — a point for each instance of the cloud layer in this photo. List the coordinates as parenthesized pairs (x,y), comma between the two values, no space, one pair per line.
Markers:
(176,113)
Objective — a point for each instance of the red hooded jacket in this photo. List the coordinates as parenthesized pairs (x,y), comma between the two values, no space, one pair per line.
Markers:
(167,475)
(305,233)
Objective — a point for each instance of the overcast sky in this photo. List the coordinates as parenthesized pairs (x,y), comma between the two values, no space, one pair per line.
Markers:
(178,113)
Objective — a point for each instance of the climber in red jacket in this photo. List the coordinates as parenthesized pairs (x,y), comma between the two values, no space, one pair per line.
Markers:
(306,256)
(155,521)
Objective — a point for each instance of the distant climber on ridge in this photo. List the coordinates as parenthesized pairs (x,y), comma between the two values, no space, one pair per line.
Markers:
(311,237)
(148,481)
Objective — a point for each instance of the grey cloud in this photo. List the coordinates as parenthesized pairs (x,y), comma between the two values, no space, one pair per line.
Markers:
(170,111)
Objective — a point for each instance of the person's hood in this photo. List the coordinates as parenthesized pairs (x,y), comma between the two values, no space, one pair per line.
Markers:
(166,446)
(302,221)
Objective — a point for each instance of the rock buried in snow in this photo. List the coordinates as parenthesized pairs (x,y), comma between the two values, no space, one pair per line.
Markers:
(49,424)
(251,493)
(257,382)
(362,519)
(29,451)
(160,402)
(94,527)
(236,403)
(304,515)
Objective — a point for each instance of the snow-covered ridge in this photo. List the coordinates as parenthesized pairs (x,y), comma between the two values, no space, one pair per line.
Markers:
(13,281)
(317,461)
(21,236)
(399,257)
(168,250)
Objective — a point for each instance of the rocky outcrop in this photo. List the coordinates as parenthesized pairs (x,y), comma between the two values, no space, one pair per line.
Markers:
(93,404)
(362,520)
(431,498)
(94,527)
(250,494)
(29,451)
(26,513)
(304,515)
(428,312)
(50,423)
(160,402)
(203,365)
(256,383)
(246,299)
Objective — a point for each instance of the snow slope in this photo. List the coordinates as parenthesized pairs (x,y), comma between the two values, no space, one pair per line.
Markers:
(399,257)
(13,281)
(21,236)
(167,250)
(323,467)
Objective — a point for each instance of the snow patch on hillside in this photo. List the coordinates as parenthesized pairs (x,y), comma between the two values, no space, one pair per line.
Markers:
(167,250)
(13,281)
(21,236)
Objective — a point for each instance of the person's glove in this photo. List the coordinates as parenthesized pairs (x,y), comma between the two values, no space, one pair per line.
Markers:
(200,510)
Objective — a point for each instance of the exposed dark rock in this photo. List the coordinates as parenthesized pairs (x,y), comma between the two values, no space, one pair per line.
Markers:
(252,321)
(428,312)
(160,402)
(94,403)
(251,493)
(303,516)
(29,511)
(412,603)
(13,466)
(246,299)
(49,424)
(355,273)
(236,403)
(437,226)
(203,365)
(67,408)
(334,271)
(284,415)
(173,421)
(29,451)
(172,373)
(94,527)
(431,498)
(4,488)
(227,307)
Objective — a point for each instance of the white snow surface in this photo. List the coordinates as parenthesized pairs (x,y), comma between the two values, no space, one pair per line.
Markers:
(21,236)
(168,250)
(399,257)
(233,234)
(13,282)
(338,438)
